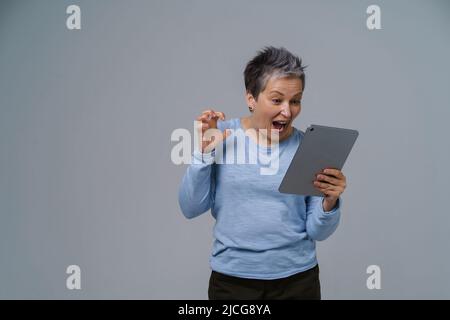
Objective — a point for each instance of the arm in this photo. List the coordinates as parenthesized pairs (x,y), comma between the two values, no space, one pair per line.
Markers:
(321,224)
(195,194)
(323,213)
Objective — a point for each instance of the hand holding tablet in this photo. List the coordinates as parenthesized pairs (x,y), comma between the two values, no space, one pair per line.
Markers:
(321,147)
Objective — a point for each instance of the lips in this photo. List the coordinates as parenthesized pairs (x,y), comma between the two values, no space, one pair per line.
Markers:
(279,125)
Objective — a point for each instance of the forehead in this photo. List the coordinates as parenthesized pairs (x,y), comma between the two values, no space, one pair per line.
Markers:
(287,86)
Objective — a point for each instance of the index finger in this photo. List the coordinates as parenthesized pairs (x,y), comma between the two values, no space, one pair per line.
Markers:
(207,111)
(334,172)
(210,113)
(203,118)
(220,114)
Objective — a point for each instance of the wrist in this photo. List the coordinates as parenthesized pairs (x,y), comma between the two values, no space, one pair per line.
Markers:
(328,204)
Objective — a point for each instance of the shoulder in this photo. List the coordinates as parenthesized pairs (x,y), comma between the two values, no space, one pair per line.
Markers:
(298,134)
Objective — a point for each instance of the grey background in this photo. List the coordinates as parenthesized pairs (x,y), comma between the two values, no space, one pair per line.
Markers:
(86,118)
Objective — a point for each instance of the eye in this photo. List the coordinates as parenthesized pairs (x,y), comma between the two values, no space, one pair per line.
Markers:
(296,101)
(276,101)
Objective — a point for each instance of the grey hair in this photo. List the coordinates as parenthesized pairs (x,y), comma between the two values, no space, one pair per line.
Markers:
(271,62)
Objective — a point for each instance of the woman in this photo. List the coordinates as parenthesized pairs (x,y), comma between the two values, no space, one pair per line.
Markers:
(264,245)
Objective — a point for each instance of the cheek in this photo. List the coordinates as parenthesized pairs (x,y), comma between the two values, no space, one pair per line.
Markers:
(267,113)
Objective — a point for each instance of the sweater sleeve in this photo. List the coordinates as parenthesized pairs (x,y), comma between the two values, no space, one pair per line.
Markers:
(321,224)
(196,191)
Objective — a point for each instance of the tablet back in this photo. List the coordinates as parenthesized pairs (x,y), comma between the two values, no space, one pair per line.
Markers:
(321,147)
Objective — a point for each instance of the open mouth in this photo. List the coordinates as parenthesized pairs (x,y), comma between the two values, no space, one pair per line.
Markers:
(279,125)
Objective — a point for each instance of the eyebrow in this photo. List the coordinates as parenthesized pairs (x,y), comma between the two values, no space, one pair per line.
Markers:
(283,94)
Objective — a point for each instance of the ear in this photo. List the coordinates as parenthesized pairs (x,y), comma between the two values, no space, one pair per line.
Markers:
(250,99)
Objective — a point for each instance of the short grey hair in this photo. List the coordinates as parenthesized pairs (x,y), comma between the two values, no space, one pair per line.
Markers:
(268,63)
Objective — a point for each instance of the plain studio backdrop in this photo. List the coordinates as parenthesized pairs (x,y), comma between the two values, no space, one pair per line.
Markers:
(86,118)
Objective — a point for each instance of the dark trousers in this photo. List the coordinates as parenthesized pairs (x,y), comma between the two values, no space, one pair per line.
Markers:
(302,285)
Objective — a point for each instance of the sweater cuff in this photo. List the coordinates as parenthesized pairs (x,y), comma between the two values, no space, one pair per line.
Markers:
(333,211)
(203,158)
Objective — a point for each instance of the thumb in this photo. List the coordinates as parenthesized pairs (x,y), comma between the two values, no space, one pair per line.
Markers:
(218,140)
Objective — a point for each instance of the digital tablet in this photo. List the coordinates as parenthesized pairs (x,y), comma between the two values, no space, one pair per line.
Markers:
(321,147)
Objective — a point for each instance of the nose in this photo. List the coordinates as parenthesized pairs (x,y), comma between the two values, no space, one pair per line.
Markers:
(286,110)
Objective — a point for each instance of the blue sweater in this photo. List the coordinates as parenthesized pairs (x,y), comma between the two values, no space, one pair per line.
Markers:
(259,232)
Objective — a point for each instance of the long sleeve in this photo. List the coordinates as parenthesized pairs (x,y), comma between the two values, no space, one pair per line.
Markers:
(195,194)
(320,224)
